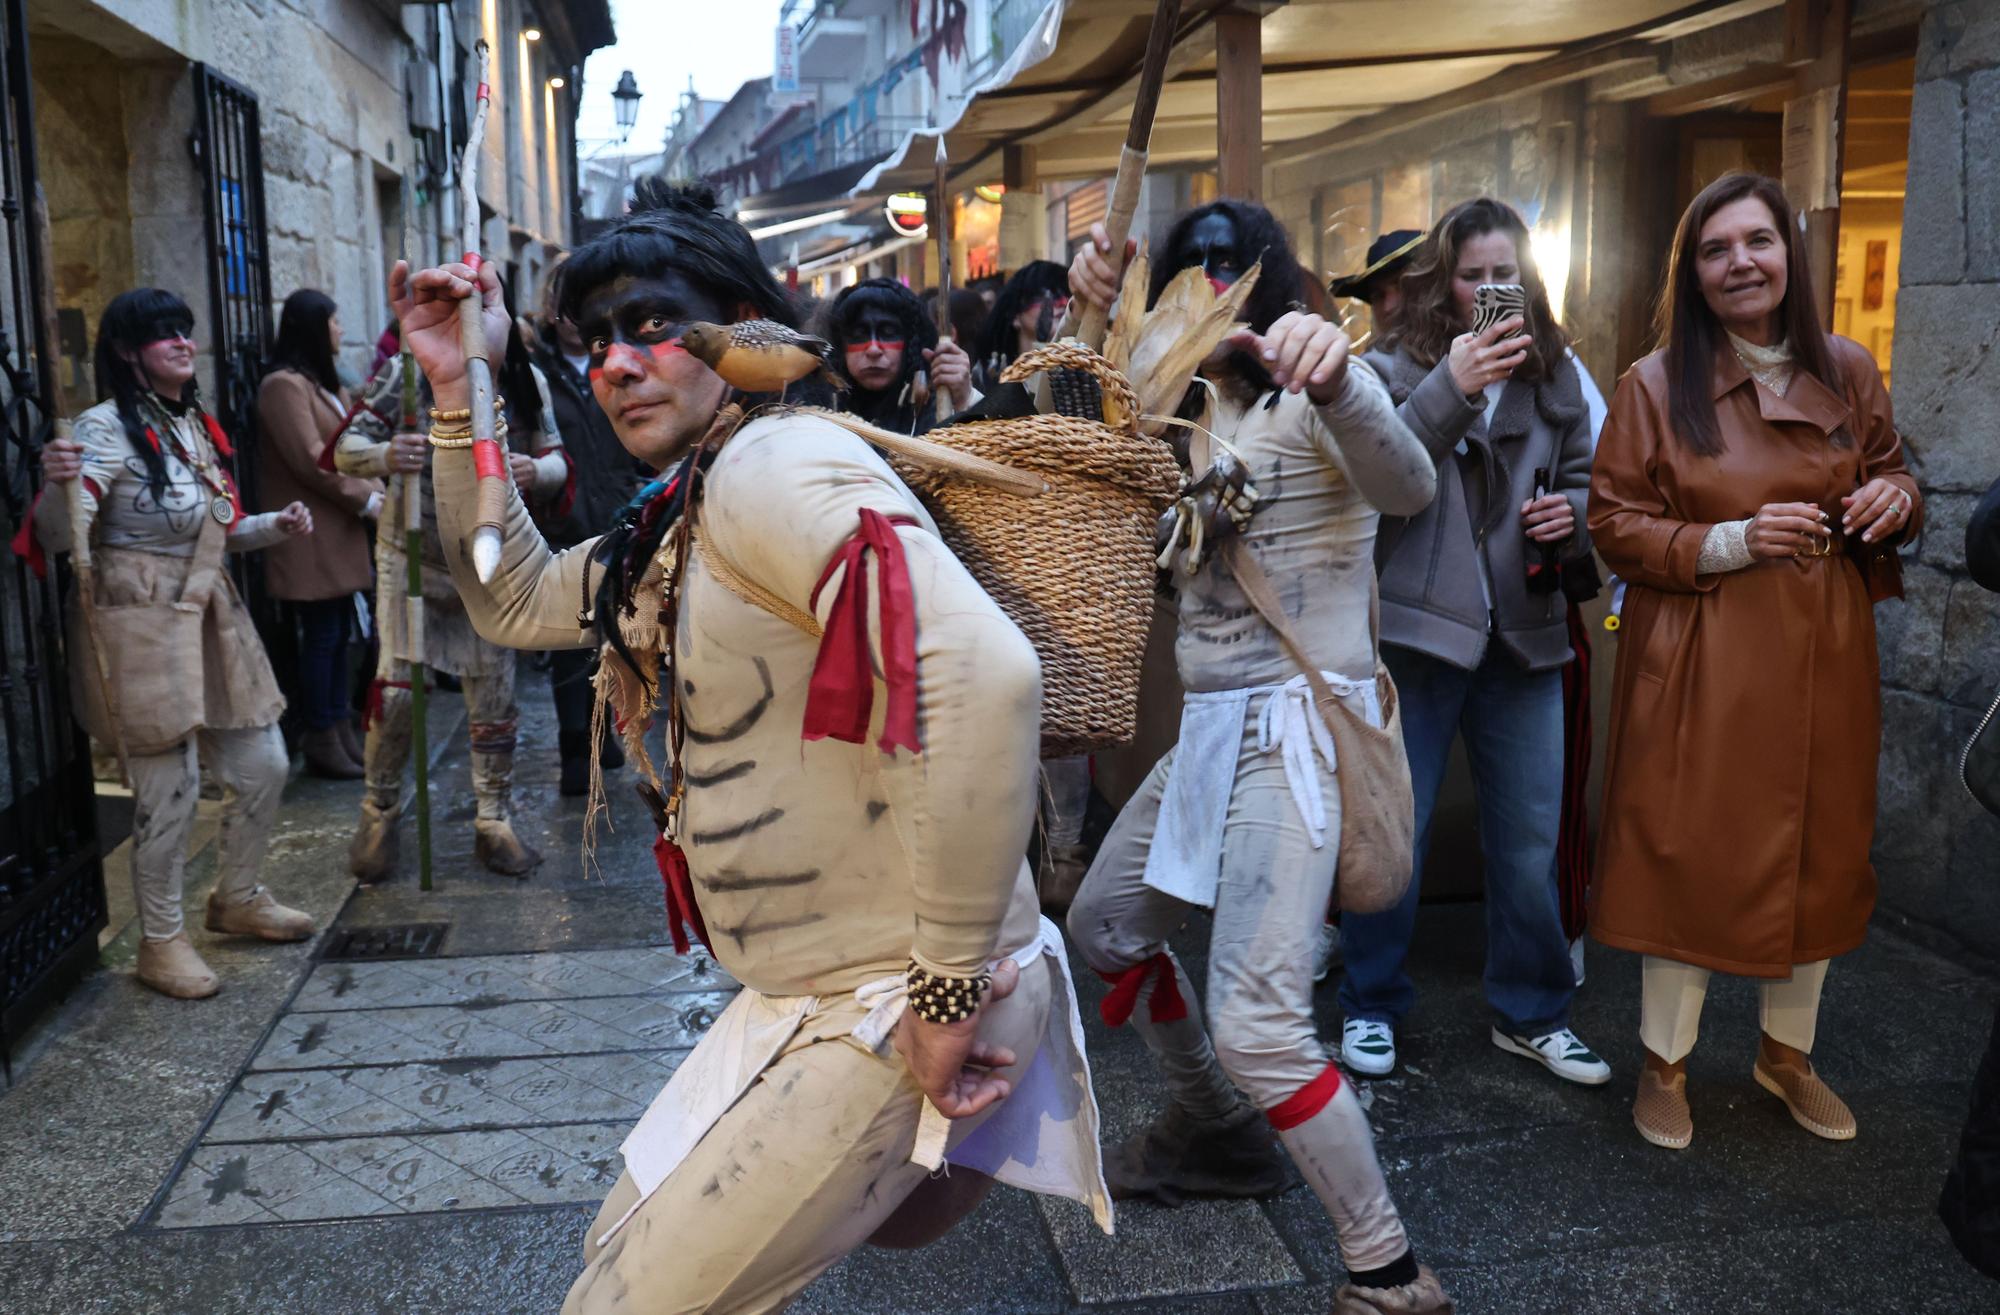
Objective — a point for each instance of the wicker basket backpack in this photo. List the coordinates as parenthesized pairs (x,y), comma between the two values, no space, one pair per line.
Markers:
(1054,517)
(1074,566)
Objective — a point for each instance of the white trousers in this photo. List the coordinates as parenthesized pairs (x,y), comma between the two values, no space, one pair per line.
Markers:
(251,766)
(1671,996)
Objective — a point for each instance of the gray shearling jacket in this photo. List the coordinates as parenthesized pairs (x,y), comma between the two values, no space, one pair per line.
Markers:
(1432,600)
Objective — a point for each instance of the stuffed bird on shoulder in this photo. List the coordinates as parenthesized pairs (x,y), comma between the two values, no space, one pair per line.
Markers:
(758,356)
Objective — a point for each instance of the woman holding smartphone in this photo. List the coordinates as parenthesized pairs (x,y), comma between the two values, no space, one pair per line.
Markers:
(1750,489)
(1474,629)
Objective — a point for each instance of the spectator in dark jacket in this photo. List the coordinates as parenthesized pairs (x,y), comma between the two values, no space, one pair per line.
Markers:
(1971,1202)
(605,477)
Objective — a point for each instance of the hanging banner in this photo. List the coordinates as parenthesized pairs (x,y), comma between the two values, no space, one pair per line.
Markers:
(785,69)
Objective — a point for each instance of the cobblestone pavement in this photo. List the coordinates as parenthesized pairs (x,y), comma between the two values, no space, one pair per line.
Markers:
(432,1134)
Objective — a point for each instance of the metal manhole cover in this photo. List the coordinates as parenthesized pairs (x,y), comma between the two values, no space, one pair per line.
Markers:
(407,940)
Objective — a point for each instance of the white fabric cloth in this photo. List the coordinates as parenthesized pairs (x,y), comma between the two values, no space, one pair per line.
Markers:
(1672,993)
(1185,858)
(1042,1138)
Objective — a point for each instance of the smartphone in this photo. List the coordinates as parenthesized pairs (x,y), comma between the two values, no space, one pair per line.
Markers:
(1544,573)
(1494,302)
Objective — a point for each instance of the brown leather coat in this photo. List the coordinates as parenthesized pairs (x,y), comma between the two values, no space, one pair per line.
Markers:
(1739,797)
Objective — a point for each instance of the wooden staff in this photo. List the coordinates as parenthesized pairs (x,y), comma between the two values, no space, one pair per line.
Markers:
(487,458)
(941,226)
(1132,159)
(411,495)
(79,546)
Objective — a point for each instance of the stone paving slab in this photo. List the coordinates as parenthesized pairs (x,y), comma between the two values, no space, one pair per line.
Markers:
(496,978)
(351,1177)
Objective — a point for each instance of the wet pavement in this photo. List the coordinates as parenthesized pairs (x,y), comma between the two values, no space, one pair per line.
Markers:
(431,1135)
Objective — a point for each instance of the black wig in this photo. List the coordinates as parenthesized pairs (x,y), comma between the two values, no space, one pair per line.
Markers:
(303,341)
(1038,280)
(1259,236)
(132,320)
(889,408)
(678,229)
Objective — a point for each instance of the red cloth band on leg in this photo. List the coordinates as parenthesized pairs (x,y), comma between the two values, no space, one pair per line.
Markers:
(372,711)
(1306,1101)
(1166,1006)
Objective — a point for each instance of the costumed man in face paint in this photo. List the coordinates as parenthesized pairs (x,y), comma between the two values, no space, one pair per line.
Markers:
(190,687)
(1243,814)
(853,842)
(371,445)
(886,348)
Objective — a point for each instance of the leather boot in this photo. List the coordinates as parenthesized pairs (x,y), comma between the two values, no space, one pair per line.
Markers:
(1063,868)
(1426,1296)
(495,844)
(1182,1156)
(172,967)
(371,855)
(260,915)
(326,756)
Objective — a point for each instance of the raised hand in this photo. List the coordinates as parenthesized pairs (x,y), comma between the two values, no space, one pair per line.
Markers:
(1303,352)
(951,370)
(426,305)
(1093,278)
(1479,359)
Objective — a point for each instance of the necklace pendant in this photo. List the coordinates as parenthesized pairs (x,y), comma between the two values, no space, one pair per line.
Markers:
(223,511)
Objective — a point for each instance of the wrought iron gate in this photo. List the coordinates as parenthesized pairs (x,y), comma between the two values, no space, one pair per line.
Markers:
(229,151)
(51,880)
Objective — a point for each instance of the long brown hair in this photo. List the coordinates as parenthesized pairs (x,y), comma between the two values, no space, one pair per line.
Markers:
(1690,334)
(1429,320)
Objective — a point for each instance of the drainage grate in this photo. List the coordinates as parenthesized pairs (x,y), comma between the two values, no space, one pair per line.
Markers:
(408,940)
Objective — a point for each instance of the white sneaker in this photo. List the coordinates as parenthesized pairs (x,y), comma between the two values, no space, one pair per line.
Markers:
(1326,954)
(1367,1047)
(1561,1052)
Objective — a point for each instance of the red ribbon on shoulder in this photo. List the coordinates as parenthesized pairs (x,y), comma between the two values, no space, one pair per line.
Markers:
(1167,1006)
(841,697)
(682,912)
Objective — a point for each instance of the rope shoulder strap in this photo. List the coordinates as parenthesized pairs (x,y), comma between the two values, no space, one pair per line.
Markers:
(749,590)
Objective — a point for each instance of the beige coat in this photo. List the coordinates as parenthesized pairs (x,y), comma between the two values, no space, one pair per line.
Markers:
(295,419)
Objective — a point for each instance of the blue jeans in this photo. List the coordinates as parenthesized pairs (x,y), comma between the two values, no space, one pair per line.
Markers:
(323,674)
(1512,721)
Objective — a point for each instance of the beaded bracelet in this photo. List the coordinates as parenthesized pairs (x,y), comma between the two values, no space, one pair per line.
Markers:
(457,436)
(938,999)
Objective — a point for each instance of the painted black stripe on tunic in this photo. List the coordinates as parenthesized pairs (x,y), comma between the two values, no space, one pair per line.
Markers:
(743,932)
(744,724)
(726,882)
(737,832)
(733,772)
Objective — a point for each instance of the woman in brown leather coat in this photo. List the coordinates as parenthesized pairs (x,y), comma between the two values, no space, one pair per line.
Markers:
(1749,487)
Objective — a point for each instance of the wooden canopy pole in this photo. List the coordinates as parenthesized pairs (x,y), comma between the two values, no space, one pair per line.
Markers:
(1816,33)
(1239,103)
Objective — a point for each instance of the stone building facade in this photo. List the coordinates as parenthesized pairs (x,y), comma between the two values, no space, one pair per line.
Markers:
(352,96)
(1938,853)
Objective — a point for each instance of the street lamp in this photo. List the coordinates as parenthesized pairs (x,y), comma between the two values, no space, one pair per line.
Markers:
(626,93)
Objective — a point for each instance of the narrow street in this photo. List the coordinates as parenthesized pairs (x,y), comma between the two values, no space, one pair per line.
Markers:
(431,1133)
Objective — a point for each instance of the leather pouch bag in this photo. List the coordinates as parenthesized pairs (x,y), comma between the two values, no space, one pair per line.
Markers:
(1378,823)
(154,652)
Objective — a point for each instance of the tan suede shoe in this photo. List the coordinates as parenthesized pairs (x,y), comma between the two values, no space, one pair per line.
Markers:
(371,855)
(172,967)
(1813,1105)
(496,845)
(260,915)
(1660,1111)
(1424,1297)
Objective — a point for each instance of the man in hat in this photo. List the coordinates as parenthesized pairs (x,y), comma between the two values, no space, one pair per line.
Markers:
(1380,284)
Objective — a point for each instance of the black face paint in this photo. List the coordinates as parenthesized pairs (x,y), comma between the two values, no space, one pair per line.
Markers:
(1213,245)
(645,313)
(876,325)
